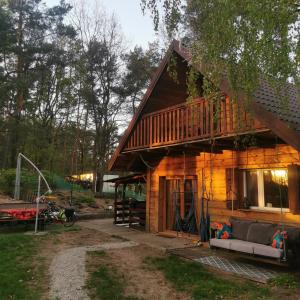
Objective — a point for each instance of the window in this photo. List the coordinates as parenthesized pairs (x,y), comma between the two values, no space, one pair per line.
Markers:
(267,189)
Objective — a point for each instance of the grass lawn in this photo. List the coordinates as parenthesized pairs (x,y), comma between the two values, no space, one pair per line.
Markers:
(19,274)
(24,262)
(22,269)
(195,279)
(104,281)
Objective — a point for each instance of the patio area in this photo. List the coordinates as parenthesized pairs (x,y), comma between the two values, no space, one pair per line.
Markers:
(152,240)
(244,266)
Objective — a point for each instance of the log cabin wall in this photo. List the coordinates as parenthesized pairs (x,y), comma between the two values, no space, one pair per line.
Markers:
(256,158)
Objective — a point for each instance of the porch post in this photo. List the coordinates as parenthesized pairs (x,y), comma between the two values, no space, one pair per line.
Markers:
(148,199)
(123,202)
(115,203)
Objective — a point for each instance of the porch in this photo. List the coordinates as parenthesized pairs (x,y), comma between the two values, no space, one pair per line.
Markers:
(192,121)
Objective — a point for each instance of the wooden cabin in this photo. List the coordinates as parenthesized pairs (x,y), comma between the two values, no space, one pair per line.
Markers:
(182,147)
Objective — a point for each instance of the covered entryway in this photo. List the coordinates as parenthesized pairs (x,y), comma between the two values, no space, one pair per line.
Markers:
(178,196)
(130,200)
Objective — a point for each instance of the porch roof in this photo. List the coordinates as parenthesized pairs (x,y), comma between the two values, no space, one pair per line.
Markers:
(133,178)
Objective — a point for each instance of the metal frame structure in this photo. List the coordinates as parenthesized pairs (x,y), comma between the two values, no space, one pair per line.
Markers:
(18,183)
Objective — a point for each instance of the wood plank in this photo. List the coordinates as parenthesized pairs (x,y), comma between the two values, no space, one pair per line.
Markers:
(224,127)
(145,132)
(201,118)
(138,140)
(161,129)
(169,127)
(207,118)
(177,124)
(173,126)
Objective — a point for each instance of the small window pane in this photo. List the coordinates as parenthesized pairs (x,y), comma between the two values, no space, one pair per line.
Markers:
(276,188)
(252,189)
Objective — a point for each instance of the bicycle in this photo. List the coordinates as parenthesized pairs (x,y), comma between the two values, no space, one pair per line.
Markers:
(61,215)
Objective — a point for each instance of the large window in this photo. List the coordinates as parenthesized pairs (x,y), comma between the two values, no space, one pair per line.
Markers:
(266,188)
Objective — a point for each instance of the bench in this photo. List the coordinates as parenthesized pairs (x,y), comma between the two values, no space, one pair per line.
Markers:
(255,238)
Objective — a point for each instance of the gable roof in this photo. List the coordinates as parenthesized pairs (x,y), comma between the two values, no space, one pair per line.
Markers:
(266,104)
(286,108)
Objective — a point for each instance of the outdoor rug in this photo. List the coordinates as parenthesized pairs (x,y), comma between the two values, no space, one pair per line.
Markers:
(246,270)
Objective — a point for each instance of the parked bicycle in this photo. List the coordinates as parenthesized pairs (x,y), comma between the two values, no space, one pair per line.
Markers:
(61,215)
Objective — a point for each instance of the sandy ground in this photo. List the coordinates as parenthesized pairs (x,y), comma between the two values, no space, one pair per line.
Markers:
(55,243)
(142,283)
(101,204)
(64,255)
(68,272)
(7,199)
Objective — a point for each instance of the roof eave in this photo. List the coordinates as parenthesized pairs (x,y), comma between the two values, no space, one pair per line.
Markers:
(173,47)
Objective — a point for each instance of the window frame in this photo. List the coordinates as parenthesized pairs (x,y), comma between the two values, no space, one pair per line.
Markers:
(261,192)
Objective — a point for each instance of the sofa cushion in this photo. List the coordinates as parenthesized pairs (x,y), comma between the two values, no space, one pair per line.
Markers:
(240,228)
(241,246)
(268,251)
(247,247)
(225,244)
(261,233)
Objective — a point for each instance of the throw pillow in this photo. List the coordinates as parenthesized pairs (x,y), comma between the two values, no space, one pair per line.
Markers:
(278,239)
(224,230)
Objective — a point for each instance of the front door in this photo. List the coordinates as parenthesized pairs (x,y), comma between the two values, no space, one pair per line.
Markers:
(179,195)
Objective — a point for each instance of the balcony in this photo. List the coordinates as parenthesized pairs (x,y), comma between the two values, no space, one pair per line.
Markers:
(193,121)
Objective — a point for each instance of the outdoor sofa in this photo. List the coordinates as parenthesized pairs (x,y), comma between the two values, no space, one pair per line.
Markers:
(255,238)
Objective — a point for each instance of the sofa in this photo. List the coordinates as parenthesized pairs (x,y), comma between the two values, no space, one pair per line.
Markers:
(255,238)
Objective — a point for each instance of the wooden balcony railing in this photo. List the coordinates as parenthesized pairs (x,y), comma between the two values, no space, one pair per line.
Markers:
(195,120)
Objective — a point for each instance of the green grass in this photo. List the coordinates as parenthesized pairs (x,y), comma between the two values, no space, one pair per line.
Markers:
(105,282)
(17,270)
(286,281)
(99,253)
(194,279)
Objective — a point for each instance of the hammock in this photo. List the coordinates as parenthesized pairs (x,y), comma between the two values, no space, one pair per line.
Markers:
(189,223)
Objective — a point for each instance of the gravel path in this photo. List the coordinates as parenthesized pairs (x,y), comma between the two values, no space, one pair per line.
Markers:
(68,274)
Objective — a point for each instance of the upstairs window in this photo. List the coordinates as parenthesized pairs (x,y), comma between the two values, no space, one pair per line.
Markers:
(267,188)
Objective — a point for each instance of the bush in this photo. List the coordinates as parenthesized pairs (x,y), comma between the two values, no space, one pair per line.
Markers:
(83,198)
(29,182)
(7,181)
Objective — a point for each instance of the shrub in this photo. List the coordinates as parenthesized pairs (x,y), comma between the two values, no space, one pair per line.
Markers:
(83,198)
(29,182)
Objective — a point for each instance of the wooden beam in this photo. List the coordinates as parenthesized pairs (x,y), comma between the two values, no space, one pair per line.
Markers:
(202,148)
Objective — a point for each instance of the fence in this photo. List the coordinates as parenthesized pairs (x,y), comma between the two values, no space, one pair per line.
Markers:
(130,212)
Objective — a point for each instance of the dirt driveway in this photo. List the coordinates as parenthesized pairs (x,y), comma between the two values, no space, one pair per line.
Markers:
(99,248)
(59,248)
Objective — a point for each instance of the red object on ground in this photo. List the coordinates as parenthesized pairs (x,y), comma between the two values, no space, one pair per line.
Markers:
(20,214)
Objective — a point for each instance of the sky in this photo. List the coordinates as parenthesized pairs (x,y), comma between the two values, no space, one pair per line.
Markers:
(137,28)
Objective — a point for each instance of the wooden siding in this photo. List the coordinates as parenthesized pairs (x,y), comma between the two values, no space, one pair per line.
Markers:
(195,120)
(278,157)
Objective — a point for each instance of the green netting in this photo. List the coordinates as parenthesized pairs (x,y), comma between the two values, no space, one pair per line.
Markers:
(61,184)
(136,191)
